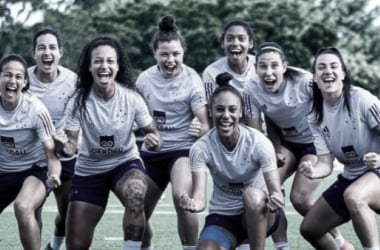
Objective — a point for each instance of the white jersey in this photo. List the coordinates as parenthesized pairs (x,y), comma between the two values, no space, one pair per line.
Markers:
(287,108)
(56,94)
(107,139)
(233,171)
(349,137)
(221,66)
(22,132)
(172,103)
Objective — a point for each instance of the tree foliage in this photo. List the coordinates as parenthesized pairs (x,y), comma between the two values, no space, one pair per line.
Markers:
(300,27)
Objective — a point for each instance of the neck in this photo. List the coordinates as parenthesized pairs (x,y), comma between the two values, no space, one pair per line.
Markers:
(47,77)
(230,142)
(331,98)
(240,67)
(104,93)
(9,106)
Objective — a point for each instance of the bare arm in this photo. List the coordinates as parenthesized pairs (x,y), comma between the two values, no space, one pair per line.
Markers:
(200,124)
(276,199)
(54,165)
(321,169)
(152,138)
(196,201)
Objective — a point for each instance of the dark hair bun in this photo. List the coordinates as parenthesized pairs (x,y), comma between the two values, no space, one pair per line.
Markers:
(223,79)
(167,24)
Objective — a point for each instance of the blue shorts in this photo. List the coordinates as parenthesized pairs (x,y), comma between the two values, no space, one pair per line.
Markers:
(231,223)
(67,169)
(334,194)
(95,189)
(11,183)
(159,165)
(299,149)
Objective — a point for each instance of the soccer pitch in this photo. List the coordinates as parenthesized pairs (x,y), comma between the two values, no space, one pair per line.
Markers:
(108,234)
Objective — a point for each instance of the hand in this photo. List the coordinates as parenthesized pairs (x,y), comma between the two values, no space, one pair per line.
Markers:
(281,159)
(195,127)
(307,169)
(152,142)
(276,201)
(60,138)
(187,203)
(53,181)
(372,160)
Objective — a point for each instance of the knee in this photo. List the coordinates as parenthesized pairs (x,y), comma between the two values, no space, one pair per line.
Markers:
(23,209)
(254,200)
(353,199)
(134,197)
(306,230)
(301,202)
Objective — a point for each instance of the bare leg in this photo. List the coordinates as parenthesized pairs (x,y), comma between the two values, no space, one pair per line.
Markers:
(27,202)
(361,198)
(187,222)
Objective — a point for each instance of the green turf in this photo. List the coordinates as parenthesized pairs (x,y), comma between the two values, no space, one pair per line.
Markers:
(108,233)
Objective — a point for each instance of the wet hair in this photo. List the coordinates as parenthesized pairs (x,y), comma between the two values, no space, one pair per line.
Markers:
(240,23)
(167,31)
(317,106)
(291,73)
(85,79)
(44,31)
(17,58)
(223,80)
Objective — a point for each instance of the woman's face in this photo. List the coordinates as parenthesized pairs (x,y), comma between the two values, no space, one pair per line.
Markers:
(226,113)
(270,68)
(169,57)
(47,54)
(236,44)
(104,66)
(329,74)
(12,81)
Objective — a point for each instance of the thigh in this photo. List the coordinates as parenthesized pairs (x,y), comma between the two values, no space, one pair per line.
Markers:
(290,164)
(303,185)
(321,209)
(367,189)
(82,218)
(32,193)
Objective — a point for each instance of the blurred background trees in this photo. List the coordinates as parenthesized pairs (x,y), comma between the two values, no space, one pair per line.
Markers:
(299,26)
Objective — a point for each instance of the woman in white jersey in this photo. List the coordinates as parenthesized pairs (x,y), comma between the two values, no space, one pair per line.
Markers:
(26,148)
(284,95)
(105,107)
(176,99)
(53,84)
(345,122)
(242,163)
(237,40)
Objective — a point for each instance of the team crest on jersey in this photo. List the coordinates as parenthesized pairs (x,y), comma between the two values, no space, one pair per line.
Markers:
(351,155)
(326,132)
(7,142)
(107,141)
(159,117)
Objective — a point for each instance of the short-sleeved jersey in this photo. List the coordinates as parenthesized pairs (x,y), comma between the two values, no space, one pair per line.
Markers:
(220,66)
(56,94)
(349,136)
(287,108)
(172,103)
(22,132)
(233,171)
(107,138)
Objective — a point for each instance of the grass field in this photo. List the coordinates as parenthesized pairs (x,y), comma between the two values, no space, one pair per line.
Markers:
(109,233)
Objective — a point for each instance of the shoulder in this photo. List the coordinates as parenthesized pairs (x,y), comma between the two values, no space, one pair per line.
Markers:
(216,66)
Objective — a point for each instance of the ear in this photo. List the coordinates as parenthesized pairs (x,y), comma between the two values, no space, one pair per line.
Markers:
(285,65)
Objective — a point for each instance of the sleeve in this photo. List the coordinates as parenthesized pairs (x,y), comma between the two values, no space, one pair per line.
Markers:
(370,108)
(319,141)
(251,108)
(198,157)
(72,121)
(266,154)
(44,123)
(142,116)
(197,95)
(208,83)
